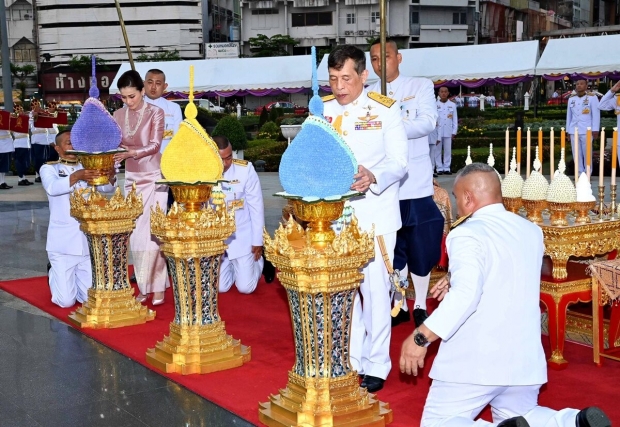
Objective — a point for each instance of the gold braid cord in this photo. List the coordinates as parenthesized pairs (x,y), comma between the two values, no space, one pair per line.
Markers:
(394,276)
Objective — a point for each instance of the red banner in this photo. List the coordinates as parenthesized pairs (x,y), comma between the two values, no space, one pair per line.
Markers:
(47,121)
(5,120)
(20,123)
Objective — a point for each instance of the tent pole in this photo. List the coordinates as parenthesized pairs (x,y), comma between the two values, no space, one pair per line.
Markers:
(382,37)
(120,18)
(6,64)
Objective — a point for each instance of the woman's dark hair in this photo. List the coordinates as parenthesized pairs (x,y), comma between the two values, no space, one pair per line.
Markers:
(130,78)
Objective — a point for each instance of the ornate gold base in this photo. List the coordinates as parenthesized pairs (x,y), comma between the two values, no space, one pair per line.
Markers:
(583,211)
(512,204)
(111,309)
(534,210)
(558,213)
(324,402)
(198,350)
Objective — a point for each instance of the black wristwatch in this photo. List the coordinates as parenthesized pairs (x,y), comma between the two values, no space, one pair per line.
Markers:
(420,339)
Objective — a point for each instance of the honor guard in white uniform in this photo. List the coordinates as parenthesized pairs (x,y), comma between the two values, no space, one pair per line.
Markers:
(418,242)
(472,100)
(372,126)
(582,113)
(40,138)
(489,320)
(611,101)
(448,125)
(155,85)
(242,263)
(21,143)
(6,150)
(70,275)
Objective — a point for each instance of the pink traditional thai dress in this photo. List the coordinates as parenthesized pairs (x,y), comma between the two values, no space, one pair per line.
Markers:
(145,137)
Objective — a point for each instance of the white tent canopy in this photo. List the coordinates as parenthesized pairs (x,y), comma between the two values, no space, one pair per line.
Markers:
(230,73)
(580,55)
(472,62)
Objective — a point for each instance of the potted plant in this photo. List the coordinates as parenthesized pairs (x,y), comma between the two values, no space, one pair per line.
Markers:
(290,127)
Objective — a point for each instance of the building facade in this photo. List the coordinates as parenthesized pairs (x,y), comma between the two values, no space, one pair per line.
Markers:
(325,23)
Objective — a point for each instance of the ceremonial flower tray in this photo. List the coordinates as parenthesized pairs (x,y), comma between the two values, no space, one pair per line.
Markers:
(314,199)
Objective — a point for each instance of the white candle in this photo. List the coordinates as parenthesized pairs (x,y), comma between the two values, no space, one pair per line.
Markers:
(529,143)
(506,161)
(601,166)
(576,154)
(551,154)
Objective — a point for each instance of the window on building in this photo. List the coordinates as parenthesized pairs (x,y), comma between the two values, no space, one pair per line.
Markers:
(350,18)
(311,19)
(265,11)
(459,18)
(21,14)
(414,17)
(375,17)
(24,52)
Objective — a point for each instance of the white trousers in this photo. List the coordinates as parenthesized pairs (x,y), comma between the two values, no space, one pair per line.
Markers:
(431,152)
(582,151)
(443,162)
(371,326)
(456,405)
(244,272)
(70,278)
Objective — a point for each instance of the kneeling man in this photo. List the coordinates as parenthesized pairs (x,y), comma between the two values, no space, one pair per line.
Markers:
(70,274)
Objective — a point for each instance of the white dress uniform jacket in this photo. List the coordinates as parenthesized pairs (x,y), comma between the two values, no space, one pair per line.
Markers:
(243,191)
(21,140)
(448,121)
(610,102)
(6,142)
(172,120)
(417,107)
(42,136)
(489,322)
(583,112)
(380,145)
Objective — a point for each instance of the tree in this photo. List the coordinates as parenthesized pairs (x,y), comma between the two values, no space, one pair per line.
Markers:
(231,128)
(160,56)
(83,66)
(262,46)
(21,73)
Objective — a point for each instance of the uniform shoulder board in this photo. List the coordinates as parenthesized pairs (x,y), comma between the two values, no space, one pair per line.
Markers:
(460,221)
(55,162)
(240,162)
(572,94)
(381,99)
(328,97)
(590,94)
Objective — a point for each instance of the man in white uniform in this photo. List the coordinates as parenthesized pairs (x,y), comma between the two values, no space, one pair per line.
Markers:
(418,242)
(70,275)
(242,263)
(611,101)
(155,85)
(40,138)
(372,126)
(582,113)
(21,143)
(448,125)
(489,321)
(6,150)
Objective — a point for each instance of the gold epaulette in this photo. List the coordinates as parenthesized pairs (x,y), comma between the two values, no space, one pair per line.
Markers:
(460,221)
(55,162)
(328,97)
(572,94)
(381,99)
(240,162)
(590,94)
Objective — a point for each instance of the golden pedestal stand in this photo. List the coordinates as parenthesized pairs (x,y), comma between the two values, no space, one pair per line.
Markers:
(193,243)
(321,273)
(107,225)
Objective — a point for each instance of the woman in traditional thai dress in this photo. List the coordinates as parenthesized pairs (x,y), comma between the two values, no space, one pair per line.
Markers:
(142,125)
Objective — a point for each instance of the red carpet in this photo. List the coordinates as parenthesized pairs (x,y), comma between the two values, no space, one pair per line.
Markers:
(261,320)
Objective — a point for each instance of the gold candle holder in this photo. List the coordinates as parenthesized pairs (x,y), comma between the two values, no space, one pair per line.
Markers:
(102,163)
(583,211)
(321,275)
(558,213)
(534,210)
(601,202)
(192,237)
(512,204)
(107,225)
(612,195)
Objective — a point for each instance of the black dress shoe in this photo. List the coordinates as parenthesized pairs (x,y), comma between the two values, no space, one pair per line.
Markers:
(592,417)
(23,182)
(372,384)
(269,271)
(132,278)
(439,173)
(447,173)
(401,317)
(5,186)
(514,422)
(419,316)
(37,179)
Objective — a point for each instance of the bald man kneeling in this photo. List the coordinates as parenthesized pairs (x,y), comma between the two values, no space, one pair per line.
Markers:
(488,320)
